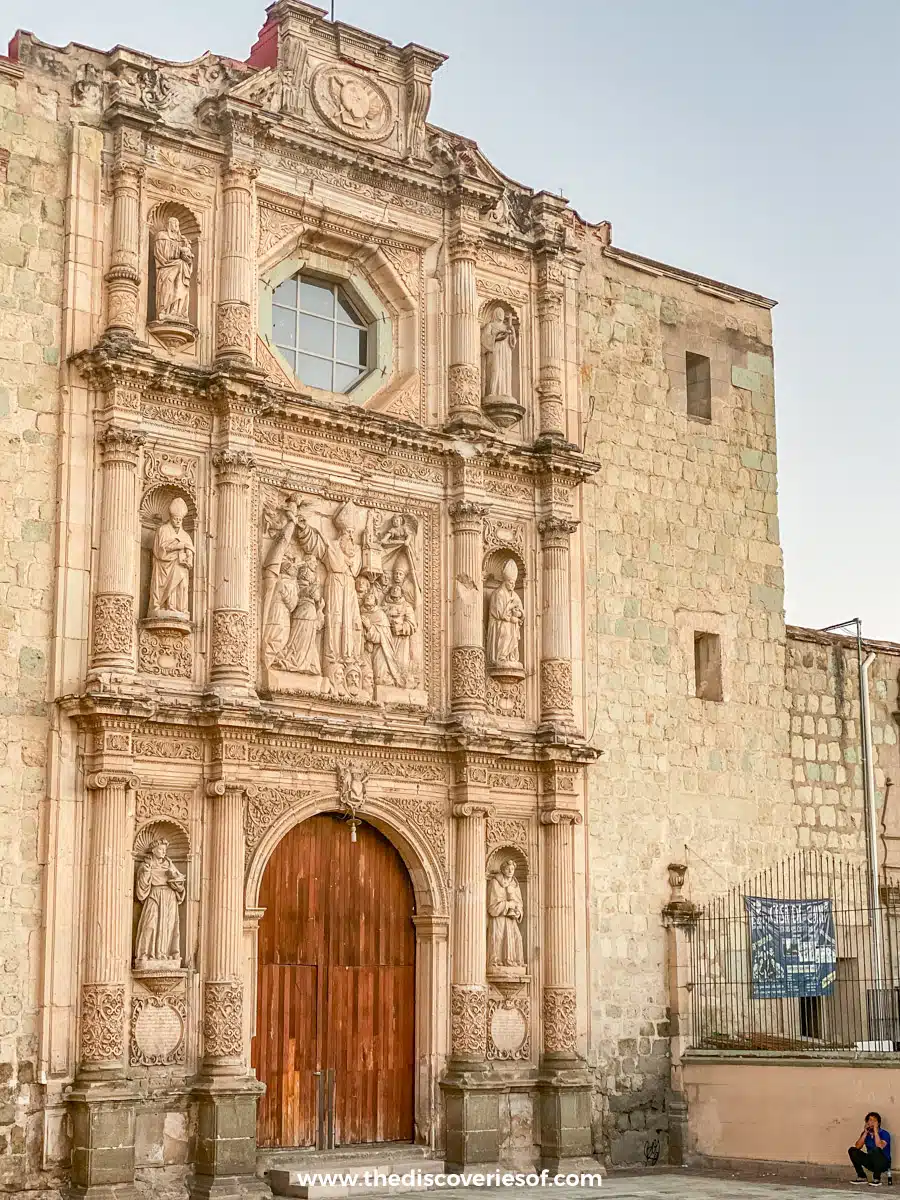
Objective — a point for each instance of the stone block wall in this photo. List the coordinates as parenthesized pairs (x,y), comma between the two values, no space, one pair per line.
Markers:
(681,535)
(32,187)
(826,757)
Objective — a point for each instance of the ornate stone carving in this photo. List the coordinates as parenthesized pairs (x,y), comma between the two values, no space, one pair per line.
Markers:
(102,1022)
(231,639)
(505,909)
(559,1012)
(509,1026)
(468,1018)
(168,748)
(463,386)
(160,888)
(506,616)
(233,327)
(499,339)
(341,600)
(507,831)
(263,807)
(113,631)
(273,227)
(171,804)
(467,677)
(223,1019)
(506,697)
(165,466)
(167,653)
(501,533)
(157,1030)
(556,685)
(352,103)
(172,558)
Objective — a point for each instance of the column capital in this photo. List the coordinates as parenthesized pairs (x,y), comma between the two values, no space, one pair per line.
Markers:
(561,816)
(221,787)
(464,246)
(120,444)
(238,462)
(125,173)
(556,531)
(468,513)
(98,780)
(239,175)
(473,808)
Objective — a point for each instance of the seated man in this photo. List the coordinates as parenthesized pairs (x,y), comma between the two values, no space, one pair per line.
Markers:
(871,1150)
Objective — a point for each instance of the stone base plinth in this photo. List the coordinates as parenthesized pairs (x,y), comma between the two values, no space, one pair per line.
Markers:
(103,1121)
(564,1096)
(471,1120)
(225,1161)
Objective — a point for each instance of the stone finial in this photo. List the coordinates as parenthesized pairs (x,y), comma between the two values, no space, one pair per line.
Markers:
(678,910)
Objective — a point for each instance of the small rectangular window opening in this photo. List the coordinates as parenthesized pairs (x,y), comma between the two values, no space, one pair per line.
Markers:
(810,1017)
(707,666)
(699,388)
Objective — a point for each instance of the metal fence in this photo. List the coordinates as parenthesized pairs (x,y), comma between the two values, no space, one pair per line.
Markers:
(859,1004)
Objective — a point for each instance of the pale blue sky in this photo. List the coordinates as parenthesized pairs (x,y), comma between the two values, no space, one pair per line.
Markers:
(755,141)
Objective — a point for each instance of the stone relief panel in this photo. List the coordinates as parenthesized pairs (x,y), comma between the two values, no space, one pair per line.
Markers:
(509,1028)
(352,103)
(158,1025)
(172,275)
(342,600)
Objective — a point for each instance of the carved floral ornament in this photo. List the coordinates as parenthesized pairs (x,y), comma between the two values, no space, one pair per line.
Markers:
(352,103)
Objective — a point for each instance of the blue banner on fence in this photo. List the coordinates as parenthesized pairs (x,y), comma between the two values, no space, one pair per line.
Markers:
(792,947)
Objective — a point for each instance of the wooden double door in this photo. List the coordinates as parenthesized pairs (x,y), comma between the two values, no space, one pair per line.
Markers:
(335,1022)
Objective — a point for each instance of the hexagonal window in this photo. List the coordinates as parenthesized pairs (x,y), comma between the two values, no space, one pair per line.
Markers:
(321,333)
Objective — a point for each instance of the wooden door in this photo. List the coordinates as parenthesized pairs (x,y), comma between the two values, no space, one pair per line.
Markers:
(336,989)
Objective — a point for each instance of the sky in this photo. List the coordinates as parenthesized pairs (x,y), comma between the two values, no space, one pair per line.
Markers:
(753,141)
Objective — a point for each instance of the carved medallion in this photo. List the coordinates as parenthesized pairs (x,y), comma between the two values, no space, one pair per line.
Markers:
(352,103)
(157,1030)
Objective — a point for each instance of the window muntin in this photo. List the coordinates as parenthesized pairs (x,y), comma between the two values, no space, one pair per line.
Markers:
(320,334)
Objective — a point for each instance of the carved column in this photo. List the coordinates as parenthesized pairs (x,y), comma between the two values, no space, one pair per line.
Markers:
(231,592)
(223,991)
(556,622)
(464,373)
(233,313)
(468,992)
(552,417)
(112,633)
(124,275)
(107,946)
(559,1024)
(467,673)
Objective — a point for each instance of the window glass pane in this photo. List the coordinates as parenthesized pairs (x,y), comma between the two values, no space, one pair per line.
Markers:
(351,345)
(289,356)
(316,297)
(345,377)
(316,335)
(345,312)
(314,371)
(286,293)
(284,326)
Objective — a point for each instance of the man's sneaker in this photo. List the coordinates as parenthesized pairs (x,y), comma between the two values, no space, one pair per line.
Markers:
(859,1179)
(875,1182)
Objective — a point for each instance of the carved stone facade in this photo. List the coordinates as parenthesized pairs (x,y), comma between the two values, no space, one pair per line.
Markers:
(422,586)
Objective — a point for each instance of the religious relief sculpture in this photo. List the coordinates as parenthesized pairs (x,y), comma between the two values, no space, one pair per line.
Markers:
(499,339)
(341,600)
(506,952)
(352,103)
(506,616)
(172,562)
(173,273)
(160,887)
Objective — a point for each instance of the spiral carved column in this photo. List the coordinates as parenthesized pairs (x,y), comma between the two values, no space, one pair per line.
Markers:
(556,622)
(464,372)
(231,593)
(233,312)
(467,666)
(107,928)
(124,275)
(114,615)
(223,991)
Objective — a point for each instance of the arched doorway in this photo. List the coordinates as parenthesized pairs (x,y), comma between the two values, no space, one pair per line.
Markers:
(335,1022)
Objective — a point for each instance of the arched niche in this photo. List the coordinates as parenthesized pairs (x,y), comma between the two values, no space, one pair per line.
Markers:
(501,372)
(178,853)
(494,869)
(155,511)
(172,293)
(501,567)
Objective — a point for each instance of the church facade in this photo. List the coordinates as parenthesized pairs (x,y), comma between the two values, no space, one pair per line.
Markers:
(395,590)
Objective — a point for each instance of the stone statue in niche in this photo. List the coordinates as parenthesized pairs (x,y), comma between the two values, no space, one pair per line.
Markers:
(499,339)
(506,617)
(160,887)
(341,600)
(505,912)
(174,260)
(172,562)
